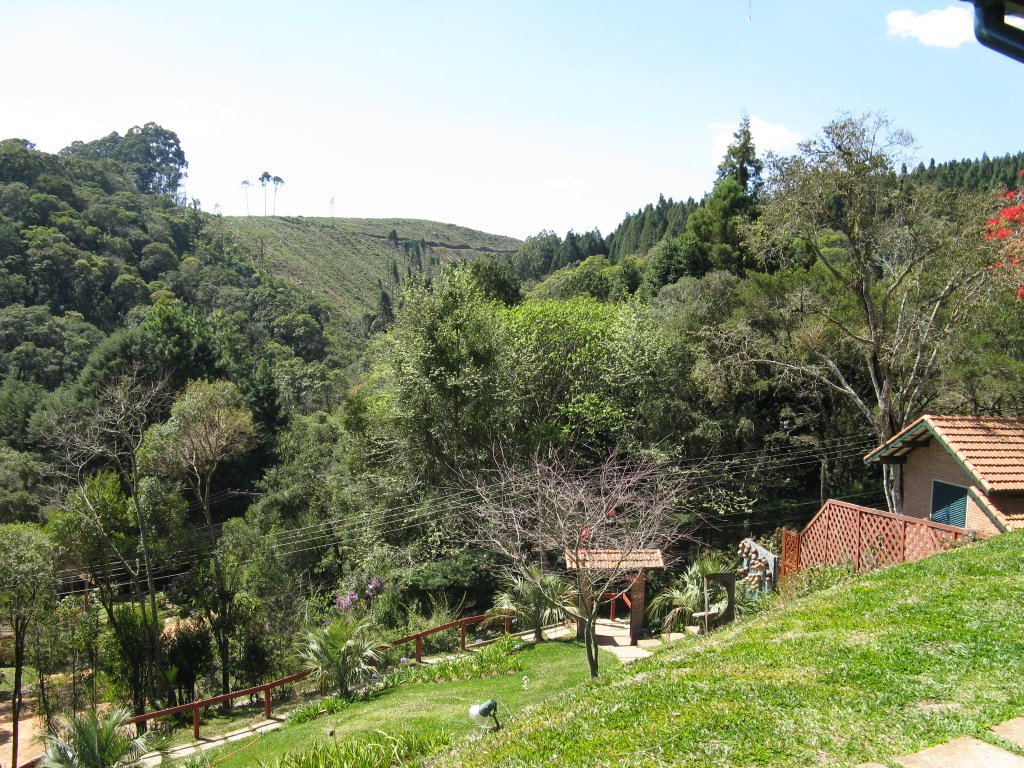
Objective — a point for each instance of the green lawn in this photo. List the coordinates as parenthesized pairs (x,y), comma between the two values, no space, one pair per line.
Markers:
(881,666)
(551,668)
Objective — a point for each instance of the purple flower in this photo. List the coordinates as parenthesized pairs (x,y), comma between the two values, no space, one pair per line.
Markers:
(346,602)
(374,587)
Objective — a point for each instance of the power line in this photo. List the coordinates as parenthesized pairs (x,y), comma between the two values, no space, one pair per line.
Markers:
(713,467)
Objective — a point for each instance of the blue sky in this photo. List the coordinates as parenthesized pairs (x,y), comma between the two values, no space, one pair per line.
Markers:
(505,117)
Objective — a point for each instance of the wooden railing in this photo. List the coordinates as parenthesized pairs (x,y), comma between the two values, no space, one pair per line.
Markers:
(460,623)
(195,706)
(866,538)
(612,598)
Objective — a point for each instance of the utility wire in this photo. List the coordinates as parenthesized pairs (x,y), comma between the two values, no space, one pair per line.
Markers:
(714,468)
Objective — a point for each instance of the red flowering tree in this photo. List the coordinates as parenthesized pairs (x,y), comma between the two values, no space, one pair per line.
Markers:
(1006,230)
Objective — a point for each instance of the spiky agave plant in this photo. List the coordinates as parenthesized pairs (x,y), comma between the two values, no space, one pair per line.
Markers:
(536,597)
(93,740)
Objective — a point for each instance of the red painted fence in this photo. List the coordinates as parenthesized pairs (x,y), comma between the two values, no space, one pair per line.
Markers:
(460,623)
(864,537)
(195,706)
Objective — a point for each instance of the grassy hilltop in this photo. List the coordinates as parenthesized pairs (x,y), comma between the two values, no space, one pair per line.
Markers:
(341,260)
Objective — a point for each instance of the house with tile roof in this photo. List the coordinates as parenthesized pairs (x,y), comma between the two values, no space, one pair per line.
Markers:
(964,471)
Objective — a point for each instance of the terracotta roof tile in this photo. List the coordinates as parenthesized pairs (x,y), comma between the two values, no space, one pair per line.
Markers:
(990,448)
(993,448)
(613,559)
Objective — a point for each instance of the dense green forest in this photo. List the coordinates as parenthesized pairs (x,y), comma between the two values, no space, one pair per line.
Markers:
(239,422)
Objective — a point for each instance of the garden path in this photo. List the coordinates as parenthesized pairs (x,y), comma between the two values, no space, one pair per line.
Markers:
(30,745)
(968,752)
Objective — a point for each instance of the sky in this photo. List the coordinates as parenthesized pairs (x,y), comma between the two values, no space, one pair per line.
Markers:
(507,117)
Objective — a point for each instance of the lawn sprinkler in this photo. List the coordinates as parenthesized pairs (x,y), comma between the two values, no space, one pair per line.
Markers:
(480,712)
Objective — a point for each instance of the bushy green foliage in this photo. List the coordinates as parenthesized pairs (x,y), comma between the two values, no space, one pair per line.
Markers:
(326,706)
(380,750)
(817,578)
(486,660)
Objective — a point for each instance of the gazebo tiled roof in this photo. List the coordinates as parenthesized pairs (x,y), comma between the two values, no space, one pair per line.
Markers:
(613,559)
(989,448)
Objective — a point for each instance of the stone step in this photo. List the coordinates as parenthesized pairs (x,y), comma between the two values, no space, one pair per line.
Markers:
(965,752)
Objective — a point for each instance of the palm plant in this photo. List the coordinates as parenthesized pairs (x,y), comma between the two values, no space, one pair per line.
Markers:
(536,597)
(92,740)
(686,596)
(341,655)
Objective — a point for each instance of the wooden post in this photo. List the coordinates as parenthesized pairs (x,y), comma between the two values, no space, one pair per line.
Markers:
(860,527)
(508,624)
(195,723)
(266,702)
(637,597)
(903,541)
(419,649)
(462,635)
(611,614)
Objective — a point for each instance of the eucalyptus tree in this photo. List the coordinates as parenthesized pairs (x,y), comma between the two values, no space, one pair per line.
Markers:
(265,178)
(245,190)
(891,274)
(278,182)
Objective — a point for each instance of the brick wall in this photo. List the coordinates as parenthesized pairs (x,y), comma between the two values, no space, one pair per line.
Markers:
(1012,508)
(933,462)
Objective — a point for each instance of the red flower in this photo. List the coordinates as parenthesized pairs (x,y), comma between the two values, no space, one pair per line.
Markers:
(1003,233)
(1022,173)
(1013,213)
(1020,293)
(1010,195)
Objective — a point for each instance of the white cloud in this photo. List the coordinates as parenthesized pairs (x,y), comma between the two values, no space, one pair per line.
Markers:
(948,28)
(767,137)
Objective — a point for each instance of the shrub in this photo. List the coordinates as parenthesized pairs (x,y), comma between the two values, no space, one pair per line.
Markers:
(380,750)
(328,706)
(817,578)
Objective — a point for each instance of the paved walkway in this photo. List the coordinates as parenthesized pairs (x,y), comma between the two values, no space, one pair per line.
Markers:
(613,636)
(968,752)
(252,733)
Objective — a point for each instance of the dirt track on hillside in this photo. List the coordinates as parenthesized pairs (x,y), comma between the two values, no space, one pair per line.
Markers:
(29,744)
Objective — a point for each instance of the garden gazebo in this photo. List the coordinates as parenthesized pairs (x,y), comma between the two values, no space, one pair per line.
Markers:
(629,564)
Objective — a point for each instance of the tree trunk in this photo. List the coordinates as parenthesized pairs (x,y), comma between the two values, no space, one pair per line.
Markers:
(44,701)
(223,647)
(590,640)
(20,627)
(892,480)
(153,651)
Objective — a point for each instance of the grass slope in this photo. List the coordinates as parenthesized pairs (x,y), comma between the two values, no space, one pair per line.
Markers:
(881,666)
(341,260)
(426,707)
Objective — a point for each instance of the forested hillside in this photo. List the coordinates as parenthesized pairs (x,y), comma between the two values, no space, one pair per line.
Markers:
(227,432)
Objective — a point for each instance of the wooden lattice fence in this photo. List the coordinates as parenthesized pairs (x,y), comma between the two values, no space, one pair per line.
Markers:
(865,538)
